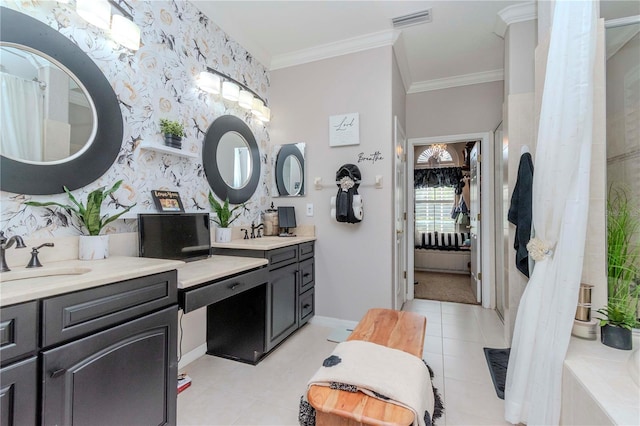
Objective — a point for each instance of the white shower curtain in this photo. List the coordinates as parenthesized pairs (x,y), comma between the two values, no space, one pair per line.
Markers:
(560,207)
(20,118)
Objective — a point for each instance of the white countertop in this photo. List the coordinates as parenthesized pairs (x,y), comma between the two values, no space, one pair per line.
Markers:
(264,243)
(605,374)
(215,267)
(20,285)
(73,275)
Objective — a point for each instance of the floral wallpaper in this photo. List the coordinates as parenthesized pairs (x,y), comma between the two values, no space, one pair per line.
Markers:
(157,81)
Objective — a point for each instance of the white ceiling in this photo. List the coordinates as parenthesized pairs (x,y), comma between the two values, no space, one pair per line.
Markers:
(458,47)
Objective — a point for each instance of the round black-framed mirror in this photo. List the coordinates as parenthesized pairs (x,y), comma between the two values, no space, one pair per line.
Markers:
(282,160)
(220,127)
(44,179)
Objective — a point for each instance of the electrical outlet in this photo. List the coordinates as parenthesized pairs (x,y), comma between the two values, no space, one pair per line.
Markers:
(309,209)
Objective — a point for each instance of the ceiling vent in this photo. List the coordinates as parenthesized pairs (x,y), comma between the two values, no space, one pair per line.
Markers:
(412,19)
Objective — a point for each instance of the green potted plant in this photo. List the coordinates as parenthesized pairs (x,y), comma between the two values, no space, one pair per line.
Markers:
(224,217)
(92,246)
(620,314)
(173,132)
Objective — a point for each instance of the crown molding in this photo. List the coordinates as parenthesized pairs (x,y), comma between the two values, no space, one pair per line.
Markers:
(457,80)
(330,50)
(512,14)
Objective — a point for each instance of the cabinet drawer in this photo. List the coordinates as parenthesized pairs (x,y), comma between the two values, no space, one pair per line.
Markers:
(282,256)
(192,299)
(307,305)
(307,274)
(18,330)
(76,314)
(306,250)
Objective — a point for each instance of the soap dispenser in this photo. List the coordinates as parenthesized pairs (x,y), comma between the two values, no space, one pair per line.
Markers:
(270,220)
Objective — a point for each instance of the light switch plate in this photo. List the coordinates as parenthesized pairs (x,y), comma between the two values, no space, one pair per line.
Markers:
(309,209)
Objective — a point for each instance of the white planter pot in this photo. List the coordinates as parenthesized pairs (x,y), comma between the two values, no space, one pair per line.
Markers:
(93,247)
(223,235)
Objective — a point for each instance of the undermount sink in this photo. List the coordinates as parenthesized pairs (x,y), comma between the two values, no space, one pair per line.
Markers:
(21,274)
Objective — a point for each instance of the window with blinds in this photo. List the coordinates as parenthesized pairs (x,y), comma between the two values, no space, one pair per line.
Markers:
(433,209)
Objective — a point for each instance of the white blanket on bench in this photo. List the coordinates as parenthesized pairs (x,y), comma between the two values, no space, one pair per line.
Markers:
(389,374)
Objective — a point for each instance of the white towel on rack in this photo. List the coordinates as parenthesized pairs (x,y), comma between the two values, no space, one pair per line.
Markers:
(333,201)
(333,213)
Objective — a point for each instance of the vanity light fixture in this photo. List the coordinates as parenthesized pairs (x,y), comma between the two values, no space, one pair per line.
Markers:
(95,12)
(230,91)
(98,12)
(125,32)
(209,81)
(245,100)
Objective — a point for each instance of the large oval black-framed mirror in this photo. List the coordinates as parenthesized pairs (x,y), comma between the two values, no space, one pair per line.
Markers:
(229,134)
(290,170)
(18,29)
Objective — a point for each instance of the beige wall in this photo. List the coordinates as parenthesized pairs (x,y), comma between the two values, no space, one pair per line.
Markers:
(353,261)
(457,110)
(519,131)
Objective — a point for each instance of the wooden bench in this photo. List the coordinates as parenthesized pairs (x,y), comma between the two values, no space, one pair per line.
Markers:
(394,329)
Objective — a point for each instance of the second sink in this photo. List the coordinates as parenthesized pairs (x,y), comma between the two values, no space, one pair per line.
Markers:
(21,274)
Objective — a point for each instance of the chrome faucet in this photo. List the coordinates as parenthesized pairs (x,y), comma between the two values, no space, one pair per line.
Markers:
(6,243)
(253,229)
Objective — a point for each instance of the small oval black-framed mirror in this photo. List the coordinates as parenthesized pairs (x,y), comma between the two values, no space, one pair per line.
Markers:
(19,177)
(223,130)
(290,170)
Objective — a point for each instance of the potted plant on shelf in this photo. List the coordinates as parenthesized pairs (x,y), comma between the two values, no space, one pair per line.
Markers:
(173,132)
(93,246)
(224,217)
(620,314)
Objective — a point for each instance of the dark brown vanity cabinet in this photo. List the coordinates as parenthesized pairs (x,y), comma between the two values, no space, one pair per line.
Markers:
(18,374)
(106,355)
(290,287)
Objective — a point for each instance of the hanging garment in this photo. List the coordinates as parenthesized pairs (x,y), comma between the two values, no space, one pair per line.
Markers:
(520,212)
(348,203)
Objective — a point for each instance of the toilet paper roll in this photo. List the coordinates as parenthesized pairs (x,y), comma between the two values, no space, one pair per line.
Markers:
(333,202)
(358,213)
(333,213)
(357,201)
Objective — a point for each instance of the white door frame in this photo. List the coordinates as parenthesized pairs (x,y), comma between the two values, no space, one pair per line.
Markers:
(400,262)
(486,206)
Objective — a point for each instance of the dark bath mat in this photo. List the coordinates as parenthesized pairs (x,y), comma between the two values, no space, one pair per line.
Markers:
(498,359)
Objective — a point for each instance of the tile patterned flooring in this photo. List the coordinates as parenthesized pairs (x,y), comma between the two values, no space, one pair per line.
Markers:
(226,392)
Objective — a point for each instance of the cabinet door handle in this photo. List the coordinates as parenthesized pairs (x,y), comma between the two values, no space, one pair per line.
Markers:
(306,275)
(306,306)
(58,373)
(234,286)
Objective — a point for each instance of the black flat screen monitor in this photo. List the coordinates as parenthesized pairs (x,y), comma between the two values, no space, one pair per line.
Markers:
(286,218)
(180,236)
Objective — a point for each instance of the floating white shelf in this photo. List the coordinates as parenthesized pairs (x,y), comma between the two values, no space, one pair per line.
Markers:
(167,149)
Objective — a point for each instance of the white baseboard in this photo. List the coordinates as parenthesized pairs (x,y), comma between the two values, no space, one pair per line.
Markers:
(192,355)
(332,322)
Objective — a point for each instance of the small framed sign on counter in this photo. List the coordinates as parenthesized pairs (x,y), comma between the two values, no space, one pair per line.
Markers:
(344,129)
(167,201)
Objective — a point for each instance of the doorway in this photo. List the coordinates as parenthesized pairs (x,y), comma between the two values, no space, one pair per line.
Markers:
(485,268)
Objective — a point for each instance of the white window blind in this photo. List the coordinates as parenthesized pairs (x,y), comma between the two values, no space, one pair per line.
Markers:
(433,209)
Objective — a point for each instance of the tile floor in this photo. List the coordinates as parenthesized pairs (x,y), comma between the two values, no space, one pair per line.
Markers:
(225,392)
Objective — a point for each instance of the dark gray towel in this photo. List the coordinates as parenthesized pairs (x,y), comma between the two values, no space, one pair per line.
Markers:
(520,211)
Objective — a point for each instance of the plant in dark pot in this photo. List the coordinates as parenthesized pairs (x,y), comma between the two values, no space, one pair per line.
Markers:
(224,217)
(173,132)
(620,314)
(93,246)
